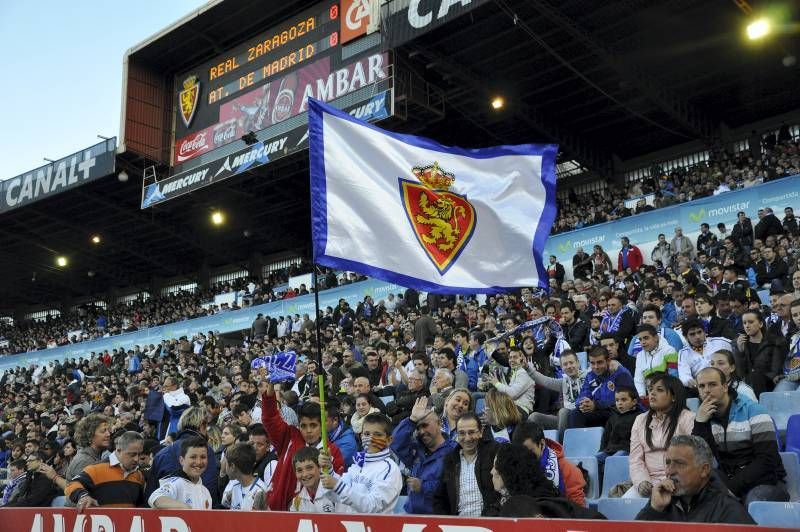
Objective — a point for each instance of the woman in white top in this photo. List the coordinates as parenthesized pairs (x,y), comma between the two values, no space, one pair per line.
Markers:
(724,361)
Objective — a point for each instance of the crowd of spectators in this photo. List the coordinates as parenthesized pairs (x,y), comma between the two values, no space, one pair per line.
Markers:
(772,157)
(404,379)
(90,321)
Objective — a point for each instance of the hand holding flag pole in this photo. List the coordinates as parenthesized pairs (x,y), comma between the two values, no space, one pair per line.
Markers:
(323,416)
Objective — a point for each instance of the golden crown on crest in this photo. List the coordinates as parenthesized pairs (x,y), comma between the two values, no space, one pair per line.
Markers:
(189,82)
(434,177)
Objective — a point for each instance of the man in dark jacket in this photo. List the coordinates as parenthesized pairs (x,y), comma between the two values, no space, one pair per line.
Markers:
(768,225)
(468,465)
(400,408)
(691,493)
(742,232)
(424,330)
(581,265)
(35,490)
(576,331)
(771,272)
(790,226)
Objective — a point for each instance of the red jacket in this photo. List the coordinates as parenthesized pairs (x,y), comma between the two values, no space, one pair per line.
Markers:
(286,440)
(573,478)
(635,259)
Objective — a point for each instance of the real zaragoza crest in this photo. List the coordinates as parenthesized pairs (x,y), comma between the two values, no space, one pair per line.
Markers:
(187,98)
(443,221)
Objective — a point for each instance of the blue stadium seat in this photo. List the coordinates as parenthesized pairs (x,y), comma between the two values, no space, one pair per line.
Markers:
(621,509)
(401,502)
(551,434)
(583,358)
(589,463)
(693,403)
(793,435)
(780,406)
(763,295)
(615,471)
(780,514)
(480,405)
(58,502)
(582,442)
(386,399)
(791,463)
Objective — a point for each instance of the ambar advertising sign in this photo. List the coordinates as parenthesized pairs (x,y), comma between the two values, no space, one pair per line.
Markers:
(70,172)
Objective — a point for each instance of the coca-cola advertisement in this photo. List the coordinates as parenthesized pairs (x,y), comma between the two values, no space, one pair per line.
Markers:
(192,145)
(225,132)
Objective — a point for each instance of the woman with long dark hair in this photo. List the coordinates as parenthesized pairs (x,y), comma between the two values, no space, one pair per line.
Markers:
(668,416)
(724,361)
(759,355)
(516,472)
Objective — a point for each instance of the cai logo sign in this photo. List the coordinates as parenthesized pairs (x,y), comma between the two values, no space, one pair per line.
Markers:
(357,15)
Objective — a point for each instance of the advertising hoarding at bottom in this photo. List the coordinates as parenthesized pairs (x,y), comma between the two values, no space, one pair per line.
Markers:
(146,520)
(375,108)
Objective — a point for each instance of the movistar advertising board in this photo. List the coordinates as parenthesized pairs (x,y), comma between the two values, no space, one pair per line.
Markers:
(643,229)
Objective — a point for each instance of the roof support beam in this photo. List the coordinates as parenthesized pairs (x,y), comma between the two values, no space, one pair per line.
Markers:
(691,119)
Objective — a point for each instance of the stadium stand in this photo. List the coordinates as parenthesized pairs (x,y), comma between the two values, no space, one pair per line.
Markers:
(417,365)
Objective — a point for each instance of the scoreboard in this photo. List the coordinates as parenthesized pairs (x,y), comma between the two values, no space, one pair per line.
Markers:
(267,79)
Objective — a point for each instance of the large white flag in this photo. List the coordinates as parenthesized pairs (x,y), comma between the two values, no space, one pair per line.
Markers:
(408,210)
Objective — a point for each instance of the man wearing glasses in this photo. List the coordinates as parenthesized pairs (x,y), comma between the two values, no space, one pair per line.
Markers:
(466,486)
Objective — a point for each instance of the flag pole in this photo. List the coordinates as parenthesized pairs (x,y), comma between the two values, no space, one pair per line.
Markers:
(321,382)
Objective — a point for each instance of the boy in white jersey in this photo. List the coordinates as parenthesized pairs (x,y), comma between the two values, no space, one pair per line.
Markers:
(373,482)
(244,487)
(310,498)
(184,490)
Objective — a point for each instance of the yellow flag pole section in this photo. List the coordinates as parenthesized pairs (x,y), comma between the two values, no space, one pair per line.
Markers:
(323,416)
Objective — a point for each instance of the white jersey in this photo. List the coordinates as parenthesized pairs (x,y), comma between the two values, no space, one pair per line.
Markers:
(690,362)
(303,502)
(370,488)
(183,490)
(237,497)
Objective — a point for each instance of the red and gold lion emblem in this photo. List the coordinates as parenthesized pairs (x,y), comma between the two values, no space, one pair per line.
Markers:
(443,221)
(188,99)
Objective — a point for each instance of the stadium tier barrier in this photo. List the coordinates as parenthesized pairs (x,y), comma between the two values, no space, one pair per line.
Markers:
(643,229)
(223,322)
(123,520)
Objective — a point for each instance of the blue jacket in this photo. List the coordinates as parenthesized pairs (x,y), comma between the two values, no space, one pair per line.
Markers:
(470,367)
(345,440)
(425,466)
(166,462)
(668,315)
(600,388)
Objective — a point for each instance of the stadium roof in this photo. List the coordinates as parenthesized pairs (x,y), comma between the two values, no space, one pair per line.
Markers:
(609,81)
